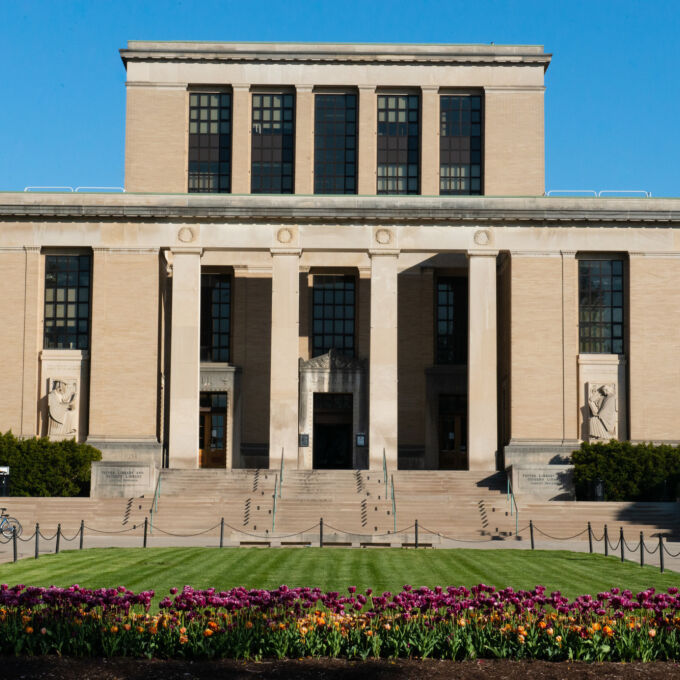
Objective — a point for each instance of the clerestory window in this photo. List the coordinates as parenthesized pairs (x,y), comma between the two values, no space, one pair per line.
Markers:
(460,145)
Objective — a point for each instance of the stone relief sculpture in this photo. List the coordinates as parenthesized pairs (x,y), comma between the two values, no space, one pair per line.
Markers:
(603,411)
(61,408)
(333,360)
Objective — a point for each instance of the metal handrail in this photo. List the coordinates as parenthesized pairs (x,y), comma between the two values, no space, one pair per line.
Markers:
(385,470)
(394,505)
(276,483)
(281,473)
(81,189)
(154,502)
(511,500)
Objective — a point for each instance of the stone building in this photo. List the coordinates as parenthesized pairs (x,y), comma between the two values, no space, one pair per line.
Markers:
(338,256)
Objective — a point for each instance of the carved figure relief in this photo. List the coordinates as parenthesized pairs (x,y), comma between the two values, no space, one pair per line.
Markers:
(333,360)
(603,411)
(61,408)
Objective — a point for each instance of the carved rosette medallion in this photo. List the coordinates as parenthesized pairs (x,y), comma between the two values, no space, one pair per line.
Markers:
(186,235)
(284,235)
(482,237)
(383,236)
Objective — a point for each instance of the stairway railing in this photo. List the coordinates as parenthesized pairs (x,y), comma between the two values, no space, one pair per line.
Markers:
(512,503)
(154,502)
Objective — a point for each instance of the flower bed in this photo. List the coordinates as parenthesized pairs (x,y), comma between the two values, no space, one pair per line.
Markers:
(447,623)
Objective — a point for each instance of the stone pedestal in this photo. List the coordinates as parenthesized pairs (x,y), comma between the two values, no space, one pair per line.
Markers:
(543,482)
(283,414)
(482,362)
(184,358)
(118,479)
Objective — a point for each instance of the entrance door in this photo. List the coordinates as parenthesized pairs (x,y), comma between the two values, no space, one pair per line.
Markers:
(212,430)
(453,432)
(332,431)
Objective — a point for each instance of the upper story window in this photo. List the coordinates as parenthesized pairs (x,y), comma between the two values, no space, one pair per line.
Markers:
(460,145)
(335,144)
(601,315)
(210,142)
(215,317)
(451,312)
(67,302)
(273,144)
(398,144)
(333,314)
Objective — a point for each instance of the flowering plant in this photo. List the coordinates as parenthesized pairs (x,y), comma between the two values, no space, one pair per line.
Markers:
(452,623)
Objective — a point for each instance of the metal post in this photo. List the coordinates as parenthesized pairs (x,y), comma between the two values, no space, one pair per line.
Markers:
(14,544)
(606,541)
(416,534)
(661,549)
(146,529)
(37,545)
(590,539)
(222,533)
(56,550)
(531,533)
(82,532)
(621,541)
(321,532)
(642,550)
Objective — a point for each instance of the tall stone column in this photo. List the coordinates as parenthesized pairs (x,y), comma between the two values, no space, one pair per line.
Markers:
(283,409)
(482,360)
(383,376)
(184,358)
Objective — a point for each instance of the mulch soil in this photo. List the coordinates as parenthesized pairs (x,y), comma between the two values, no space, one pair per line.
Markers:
(56,668)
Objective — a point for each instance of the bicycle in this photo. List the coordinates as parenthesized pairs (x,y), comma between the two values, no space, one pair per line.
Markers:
(9,525)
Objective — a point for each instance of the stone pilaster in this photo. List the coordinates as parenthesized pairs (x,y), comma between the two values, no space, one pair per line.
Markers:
(429,152)
(240,140)
(184,358)
(482,361)
(283,418)
(304,140)
(368,144)
(383,375)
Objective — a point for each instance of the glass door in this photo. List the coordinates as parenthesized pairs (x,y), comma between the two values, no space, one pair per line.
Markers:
(212,430)
(453,432)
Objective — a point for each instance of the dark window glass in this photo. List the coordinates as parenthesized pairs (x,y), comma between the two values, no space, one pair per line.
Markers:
(600,308)
(67,302)
(210,143)
(333,314)
(460,145)
(273,145)
(451,320)
(398,144)
(215,317)
(335,144)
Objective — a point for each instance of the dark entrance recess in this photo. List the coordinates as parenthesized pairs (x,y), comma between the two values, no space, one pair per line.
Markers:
(453,432)
(212,430)
(332,431)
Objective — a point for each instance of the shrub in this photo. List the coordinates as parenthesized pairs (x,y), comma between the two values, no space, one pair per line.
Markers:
(630,472)
(40,467)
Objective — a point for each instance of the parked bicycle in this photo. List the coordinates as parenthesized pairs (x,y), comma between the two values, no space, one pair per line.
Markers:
(9,525)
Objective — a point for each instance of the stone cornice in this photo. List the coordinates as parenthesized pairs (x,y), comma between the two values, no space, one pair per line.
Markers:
(335,53)
(353,210)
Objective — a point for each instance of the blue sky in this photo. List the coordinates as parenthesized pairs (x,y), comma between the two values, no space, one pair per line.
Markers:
(612,99)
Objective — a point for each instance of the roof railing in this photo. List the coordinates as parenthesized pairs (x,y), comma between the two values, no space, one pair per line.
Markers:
(601,193)
(81,190)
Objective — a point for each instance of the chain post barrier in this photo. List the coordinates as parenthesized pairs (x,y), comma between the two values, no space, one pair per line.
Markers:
(82,532)
(590,539)
(37,540)
(642,550)
(416,534)
(321,532)
(606,542)
(56,549)
(661,549)
(222,533)
(622,541)
(146,529)
(15,557)
(531,533)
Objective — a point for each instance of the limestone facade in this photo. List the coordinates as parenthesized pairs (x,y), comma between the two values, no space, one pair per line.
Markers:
(462,316)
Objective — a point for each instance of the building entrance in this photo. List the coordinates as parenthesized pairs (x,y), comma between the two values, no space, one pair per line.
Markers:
(212,430)
(332,431)
(453,453)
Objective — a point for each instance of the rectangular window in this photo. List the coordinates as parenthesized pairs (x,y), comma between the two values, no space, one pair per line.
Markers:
(451,319)
(210,143)
(273,143)
(398,144)
(67,302)
(600,309)
(460,145)
(215,317)
(335,143)
(333,315)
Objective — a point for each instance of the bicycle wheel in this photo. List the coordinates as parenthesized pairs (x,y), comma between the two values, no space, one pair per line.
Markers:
(10,526)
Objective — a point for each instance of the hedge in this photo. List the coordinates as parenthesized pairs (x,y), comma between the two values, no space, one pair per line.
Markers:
(629,472)
(40,467)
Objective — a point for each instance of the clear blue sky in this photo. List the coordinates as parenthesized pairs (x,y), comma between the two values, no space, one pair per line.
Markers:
(612,99)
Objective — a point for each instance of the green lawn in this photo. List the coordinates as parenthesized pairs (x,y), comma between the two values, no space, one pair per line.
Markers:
(333,568)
